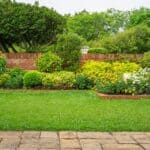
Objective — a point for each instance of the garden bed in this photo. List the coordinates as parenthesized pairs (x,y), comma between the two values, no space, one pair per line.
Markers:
(137,97)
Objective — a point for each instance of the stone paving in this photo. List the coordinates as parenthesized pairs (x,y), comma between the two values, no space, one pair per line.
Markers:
(74,140)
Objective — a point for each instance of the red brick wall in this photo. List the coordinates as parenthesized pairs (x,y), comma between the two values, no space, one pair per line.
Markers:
(28,60)
(25,61)
(102,57)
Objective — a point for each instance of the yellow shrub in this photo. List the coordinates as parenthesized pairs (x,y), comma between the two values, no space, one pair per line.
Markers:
(105,72)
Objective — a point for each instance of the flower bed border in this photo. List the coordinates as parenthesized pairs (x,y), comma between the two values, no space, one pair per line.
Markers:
(136,97)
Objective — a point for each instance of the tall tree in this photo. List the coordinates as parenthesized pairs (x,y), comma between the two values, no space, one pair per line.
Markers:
(139,16)
(96,25)
(28,25)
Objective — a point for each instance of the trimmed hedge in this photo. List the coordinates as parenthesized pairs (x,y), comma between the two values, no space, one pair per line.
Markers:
(59,79)
(32,79)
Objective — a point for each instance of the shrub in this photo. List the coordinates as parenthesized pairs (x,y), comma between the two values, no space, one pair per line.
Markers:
(146,60)
(49,62)
(16,79)
(133,83)
(138,82)
(106,72)
(59,79)
(32,79)
(98,50)
(2,64)
(134,40)
(111,88)
(3,79)
(83,82)
(68,48)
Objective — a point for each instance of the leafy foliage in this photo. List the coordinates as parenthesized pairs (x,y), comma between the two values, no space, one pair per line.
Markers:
(49,62)
(146,60)
(83,82)
(98,50)
(68,48)
(61,79)
(3,79)
(139,16)
(96,25)
(28,25)
(2,64)
(16,79)
(134,40)
(32,79)
(135,83)
(105,72)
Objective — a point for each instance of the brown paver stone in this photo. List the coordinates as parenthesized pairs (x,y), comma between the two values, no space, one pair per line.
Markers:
(67,135)
(10,143)
(28,134)
(94,135)
(29,141)
(48,143)
(52,135)
(124,138)
(68,140)
(142,138)
(69,143)
(107,141)
(5,134)
(121,147)
(146,146)
(33,146)
(90,144)
(70,149)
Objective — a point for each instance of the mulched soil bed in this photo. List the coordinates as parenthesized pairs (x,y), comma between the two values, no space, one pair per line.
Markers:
(107,96)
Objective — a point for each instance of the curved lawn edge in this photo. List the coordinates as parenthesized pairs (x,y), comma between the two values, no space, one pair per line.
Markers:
(135,97)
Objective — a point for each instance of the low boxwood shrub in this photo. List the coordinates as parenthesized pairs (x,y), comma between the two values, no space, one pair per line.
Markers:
(3,79)
(32,79)
(2,63)
(16,79)
(83,82)
(100,50)
(49,62)
(62,79)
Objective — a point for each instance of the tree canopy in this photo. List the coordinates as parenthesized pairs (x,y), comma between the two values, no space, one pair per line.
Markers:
(32,27)
(139,16)
(28,25)
(96,25)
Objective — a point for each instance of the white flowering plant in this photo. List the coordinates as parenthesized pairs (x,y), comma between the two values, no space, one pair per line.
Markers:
(138,82)
(131,83)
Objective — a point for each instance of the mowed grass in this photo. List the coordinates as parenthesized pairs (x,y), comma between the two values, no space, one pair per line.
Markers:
(71,110)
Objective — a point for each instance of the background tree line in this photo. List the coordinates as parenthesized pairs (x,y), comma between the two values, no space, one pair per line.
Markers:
(31,28)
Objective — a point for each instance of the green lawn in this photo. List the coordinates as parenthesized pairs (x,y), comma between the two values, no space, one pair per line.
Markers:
(71,110)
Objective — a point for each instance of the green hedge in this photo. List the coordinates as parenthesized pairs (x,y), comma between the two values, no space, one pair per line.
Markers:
(32,79)
(59,79)
(49,62)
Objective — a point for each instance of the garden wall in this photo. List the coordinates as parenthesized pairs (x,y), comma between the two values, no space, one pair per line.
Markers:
(25,61)
(28,60)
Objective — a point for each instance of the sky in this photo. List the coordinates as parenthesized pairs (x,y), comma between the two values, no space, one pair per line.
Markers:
(72,6)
